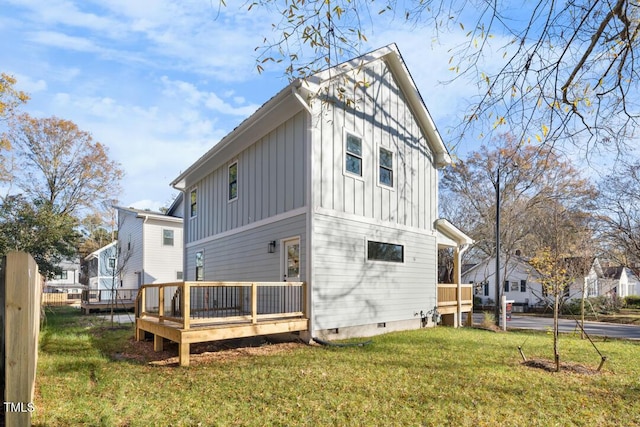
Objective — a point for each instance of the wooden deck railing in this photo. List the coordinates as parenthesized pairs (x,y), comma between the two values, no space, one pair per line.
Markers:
(220,302)
(448,294)
(106,295)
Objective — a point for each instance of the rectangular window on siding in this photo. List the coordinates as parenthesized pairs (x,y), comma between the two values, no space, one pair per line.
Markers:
(386,167)
(523,286)
(354,155)
(194,203)
(167,237)
(233,181)
(379,251)
(63,275)
(505,287)
(178,275)
(112,263)
(486,289)
(200,266)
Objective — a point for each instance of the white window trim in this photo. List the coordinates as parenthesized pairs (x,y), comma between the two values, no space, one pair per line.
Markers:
(283,255)
(189,204)
(173,237)
(195,270)
(391,187)
(235,162)
(345,172)
(383,240)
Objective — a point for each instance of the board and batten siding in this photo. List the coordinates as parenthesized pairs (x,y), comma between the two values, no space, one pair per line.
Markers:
(242,255)
(271,181)
(348,290)
(162,262)
(382,118)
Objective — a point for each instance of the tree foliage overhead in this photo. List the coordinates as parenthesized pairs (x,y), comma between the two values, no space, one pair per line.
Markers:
(37,228)
(619,200)
(62,165)
(57,176)
(10,100)
(548,70)
(540,193)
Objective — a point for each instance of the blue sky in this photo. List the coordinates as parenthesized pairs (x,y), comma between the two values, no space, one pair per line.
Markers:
(160,82)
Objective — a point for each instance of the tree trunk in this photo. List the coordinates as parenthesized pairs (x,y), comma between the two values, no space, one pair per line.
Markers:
(582,313)
(556,309)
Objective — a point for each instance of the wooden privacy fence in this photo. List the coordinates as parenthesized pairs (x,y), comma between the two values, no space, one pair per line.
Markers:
(191,312)
(20,293)
(60,298)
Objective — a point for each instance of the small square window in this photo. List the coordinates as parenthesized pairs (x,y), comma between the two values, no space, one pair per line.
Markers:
(194,203)
(112,263)
(354,155)
(386,167)
(178,275)
(233,181)
(167,237)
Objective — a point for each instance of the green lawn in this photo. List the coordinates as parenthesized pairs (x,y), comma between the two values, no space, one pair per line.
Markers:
(433,377)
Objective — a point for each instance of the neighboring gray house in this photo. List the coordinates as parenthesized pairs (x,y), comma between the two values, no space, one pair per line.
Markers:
(333,182)
(150,247)
(102,269)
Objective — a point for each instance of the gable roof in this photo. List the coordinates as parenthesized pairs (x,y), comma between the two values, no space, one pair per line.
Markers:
(97,252)
(143,213)
(513,259)
(292,99)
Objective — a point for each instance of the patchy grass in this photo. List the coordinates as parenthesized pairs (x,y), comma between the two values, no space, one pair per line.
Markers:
(90,374)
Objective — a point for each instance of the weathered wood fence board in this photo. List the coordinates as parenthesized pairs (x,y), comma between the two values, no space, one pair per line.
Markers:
(20,294)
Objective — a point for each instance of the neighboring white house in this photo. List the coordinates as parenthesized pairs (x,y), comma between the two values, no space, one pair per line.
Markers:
(333,182)
(518,281)
(68,280)
(619,281)
(150,247)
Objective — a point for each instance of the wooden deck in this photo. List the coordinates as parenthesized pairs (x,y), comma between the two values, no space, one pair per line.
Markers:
(101,299)
(450,304)
(217,311)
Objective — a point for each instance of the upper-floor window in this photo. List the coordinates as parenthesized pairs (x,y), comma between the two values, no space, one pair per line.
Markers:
(233,181)
(112,263)
(353,162)
(193,207)
(63,275)
(379,251)
(167,237)
(386,167)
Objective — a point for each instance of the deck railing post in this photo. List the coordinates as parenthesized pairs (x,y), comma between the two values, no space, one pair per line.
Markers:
(143,301)
(185,305)
(254,303)
(161,303)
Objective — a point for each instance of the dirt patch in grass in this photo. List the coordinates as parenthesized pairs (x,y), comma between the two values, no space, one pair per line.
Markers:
(550,366)
(220,351)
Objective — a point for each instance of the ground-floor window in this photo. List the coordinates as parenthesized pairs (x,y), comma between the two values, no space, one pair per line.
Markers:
(199,266)
(379,251)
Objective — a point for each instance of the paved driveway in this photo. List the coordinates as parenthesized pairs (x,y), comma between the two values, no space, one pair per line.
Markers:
(613,330)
